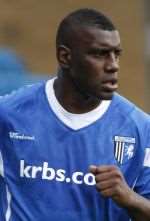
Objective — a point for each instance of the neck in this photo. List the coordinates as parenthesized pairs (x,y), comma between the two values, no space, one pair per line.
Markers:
(71,97)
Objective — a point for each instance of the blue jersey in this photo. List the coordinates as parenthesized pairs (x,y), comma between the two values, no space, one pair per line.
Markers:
(44,164)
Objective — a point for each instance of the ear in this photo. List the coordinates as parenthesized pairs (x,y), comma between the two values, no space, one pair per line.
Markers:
(63,56)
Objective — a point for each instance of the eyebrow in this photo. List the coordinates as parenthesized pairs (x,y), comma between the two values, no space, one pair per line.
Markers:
(104,44)
(117,49)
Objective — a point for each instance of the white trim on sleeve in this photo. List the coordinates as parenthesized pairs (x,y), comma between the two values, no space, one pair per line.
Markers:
(8,211)
(1,165)
(147,158)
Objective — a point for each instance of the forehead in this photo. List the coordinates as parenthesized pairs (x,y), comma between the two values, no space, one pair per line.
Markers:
(96,37)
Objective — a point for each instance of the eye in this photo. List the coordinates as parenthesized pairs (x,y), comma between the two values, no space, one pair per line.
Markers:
(105,52)
(118,52)
(99,53)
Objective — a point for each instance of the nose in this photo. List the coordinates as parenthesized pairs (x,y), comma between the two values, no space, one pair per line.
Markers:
(112,63)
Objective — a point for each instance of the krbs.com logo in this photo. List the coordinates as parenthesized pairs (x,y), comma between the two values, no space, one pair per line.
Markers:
(47,173)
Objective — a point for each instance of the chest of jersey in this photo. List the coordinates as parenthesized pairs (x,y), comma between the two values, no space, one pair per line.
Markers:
(47,163)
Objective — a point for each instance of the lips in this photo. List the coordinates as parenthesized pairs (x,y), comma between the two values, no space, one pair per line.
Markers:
(110,85)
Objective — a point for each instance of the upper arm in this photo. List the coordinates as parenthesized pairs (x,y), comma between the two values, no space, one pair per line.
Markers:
(142,185)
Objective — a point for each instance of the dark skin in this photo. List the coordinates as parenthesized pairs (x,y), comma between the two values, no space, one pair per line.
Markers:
(92,61)
(111,183)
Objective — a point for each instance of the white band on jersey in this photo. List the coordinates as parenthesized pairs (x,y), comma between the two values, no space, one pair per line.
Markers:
(8,210)
(1,165)
(74,121)
(147,157)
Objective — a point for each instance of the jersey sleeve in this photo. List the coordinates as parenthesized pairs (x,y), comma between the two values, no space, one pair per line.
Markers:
(3,132)
(142,185)
(3,199)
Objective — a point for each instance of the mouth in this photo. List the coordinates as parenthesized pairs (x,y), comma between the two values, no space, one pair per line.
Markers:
(110,85)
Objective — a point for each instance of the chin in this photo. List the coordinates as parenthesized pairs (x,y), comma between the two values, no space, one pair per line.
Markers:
(100,96)
(106,96)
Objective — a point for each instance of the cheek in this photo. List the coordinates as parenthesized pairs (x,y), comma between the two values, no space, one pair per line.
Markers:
(95,70)
(88,69)
(93,64)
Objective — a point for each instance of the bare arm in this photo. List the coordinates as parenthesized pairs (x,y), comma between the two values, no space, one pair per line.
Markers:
(111,183)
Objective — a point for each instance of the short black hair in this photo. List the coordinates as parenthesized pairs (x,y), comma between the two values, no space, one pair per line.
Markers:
(84,17)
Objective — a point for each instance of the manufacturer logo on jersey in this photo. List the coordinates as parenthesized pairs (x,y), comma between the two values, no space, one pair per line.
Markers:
(124,148)
(19,136)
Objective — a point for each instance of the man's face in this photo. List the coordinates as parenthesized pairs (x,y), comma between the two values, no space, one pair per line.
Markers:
(95,61)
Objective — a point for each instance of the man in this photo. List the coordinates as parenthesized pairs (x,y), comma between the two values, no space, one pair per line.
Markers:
(73,149)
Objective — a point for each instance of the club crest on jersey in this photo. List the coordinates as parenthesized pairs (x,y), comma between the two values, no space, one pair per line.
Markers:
(124,148)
